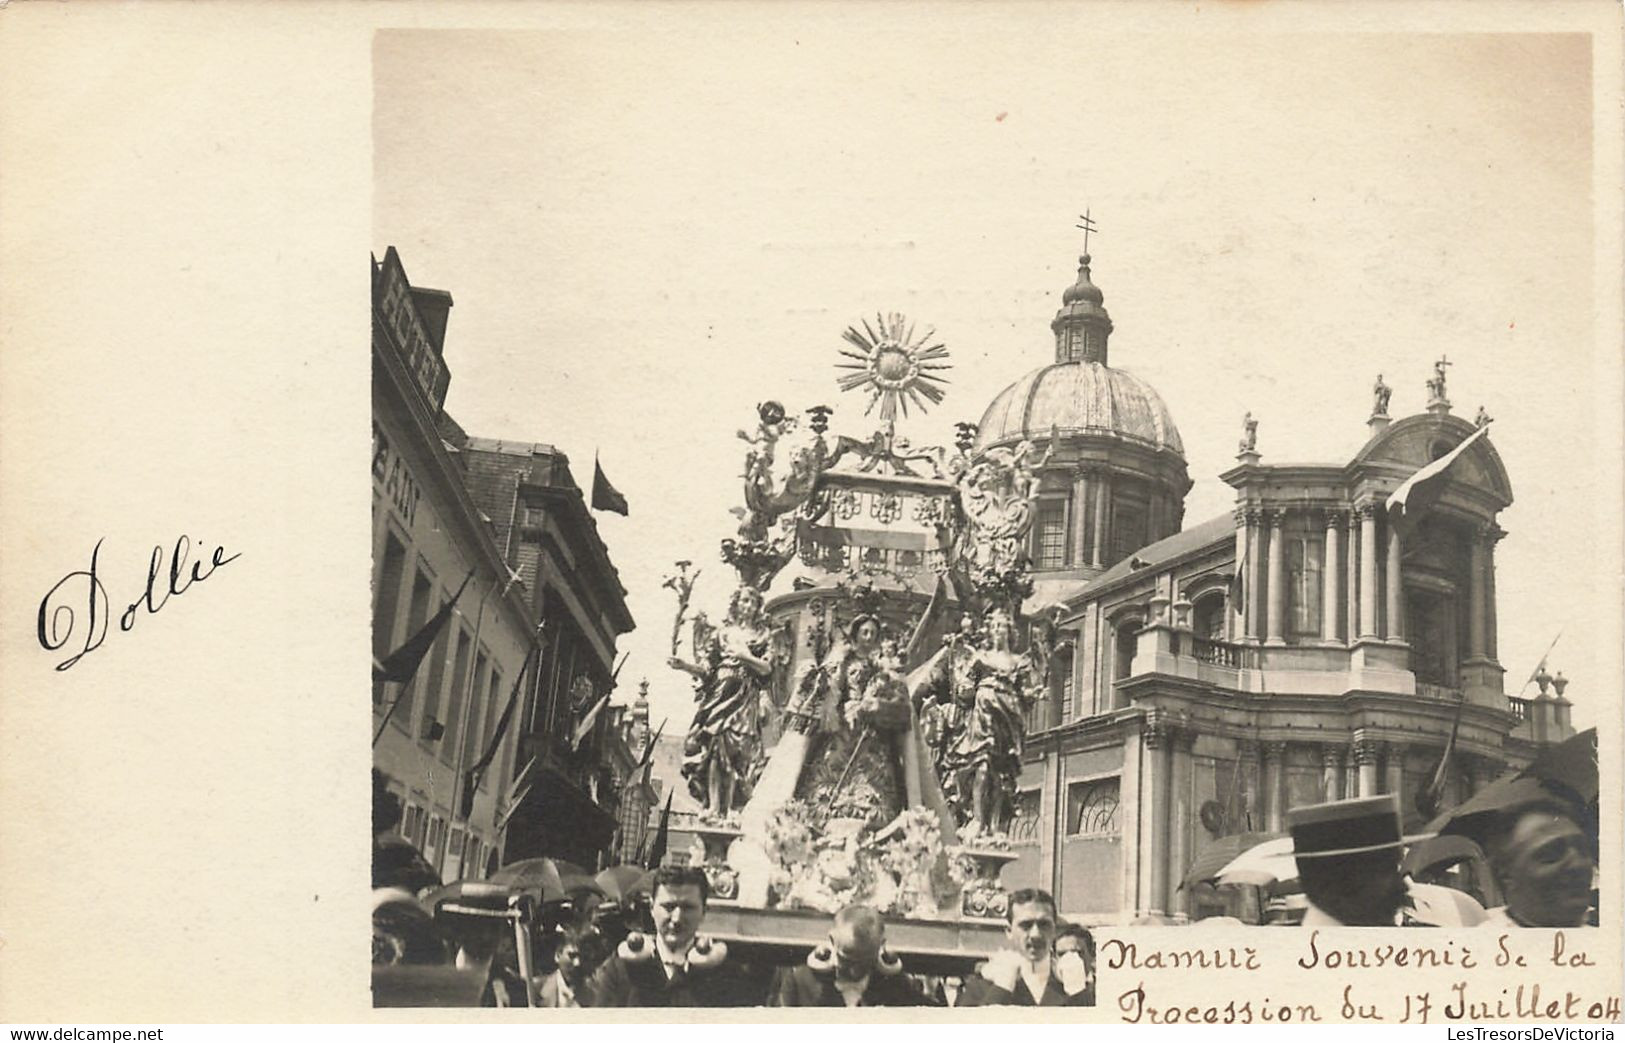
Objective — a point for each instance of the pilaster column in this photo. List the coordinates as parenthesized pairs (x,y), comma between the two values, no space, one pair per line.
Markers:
(1368,571)
(1255,578)
(1331,771)
(1250,782)
(1277,583)
(1080,516)
(1366,753)
(1236,621)
(1478,595)
(1351,588)
(1393,769)
(1328,574)
(1491,643)
(1133,813)
(1182,742)
(1100,481)
(1393,624)
(1274,754)
(1155,734)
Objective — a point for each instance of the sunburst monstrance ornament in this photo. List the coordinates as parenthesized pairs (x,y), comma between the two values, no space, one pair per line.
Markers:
(893,366)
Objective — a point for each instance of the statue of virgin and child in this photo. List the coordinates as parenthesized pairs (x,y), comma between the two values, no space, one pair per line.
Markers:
(852,746)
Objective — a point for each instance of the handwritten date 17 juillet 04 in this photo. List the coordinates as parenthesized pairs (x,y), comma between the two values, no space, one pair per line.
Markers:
(59,623)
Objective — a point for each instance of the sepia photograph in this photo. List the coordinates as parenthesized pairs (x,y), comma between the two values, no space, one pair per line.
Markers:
(1114,508)
(881,521)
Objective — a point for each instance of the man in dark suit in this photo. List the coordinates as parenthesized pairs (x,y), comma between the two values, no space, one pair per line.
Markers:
(853,969)
(676,966)
(562,988)
(1025,974)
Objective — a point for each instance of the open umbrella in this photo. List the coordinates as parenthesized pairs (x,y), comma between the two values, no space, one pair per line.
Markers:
(619,883)
(1571,763)
(1439,852)
(1270,862)
(1221,853)
(1472,817)
(550,879)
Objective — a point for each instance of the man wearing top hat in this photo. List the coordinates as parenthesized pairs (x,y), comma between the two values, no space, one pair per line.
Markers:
(1348,854)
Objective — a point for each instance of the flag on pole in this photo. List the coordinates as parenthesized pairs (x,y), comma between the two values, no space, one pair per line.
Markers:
(657,850)
(640,772)
(1431,796)
(605,497)
(401,664)
(476,771)
(1422,490)
(1238,583)
(584,726)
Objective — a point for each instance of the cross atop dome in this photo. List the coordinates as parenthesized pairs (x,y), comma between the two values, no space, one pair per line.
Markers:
(1082,325)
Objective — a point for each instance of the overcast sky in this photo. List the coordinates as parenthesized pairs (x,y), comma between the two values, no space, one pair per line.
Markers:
(647,235)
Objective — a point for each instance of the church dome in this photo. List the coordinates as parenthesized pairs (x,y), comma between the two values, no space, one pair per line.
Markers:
(1079,398)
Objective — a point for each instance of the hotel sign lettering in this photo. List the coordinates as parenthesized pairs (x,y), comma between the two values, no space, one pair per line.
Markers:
(399,315)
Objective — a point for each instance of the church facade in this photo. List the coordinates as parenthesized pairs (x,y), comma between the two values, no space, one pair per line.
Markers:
(1296,649)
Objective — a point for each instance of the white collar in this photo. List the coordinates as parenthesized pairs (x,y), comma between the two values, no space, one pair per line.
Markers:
(667,957)
(1037,978)
(852,990)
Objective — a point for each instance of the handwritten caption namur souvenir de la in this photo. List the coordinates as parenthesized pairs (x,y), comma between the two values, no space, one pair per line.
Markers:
(1354,976)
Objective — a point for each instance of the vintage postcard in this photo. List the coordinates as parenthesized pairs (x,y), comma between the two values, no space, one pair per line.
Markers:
(1113,507)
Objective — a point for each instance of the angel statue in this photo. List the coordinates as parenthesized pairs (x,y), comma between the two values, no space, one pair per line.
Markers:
(852,746)
(722,753)
(982,760)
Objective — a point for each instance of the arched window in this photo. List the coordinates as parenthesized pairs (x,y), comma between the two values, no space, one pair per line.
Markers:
(1051,548)
(1207,615)
(1125,640)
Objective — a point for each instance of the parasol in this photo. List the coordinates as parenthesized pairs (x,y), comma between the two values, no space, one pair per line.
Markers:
(550,879)
(1439,852)
(1221,853)
(1263,864)
(1472,817)
(619,883)
(1572,764)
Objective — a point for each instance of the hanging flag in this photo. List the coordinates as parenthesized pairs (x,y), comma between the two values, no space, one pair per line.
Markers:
(657,850)
(1238,583)
(640,773)
(605,497)
(401,664)
(584,726)
(1431,797)
(1422,490)
(471,779)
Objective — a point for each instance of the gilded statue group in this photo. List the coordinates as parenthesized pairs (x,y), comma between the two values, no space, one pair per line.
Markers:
(885,715)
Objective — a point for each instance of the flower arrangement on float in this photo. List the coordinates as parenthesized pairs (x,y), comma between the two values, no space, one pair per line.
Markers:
(904,869)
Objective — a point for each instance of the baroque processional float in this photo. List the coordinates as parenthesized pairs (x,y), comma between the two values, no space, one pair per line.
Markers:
(860,709)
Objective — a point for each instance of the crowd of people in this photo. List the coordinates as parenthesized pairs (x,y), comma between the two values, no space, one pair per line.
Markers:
(656,953)
(651,949)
